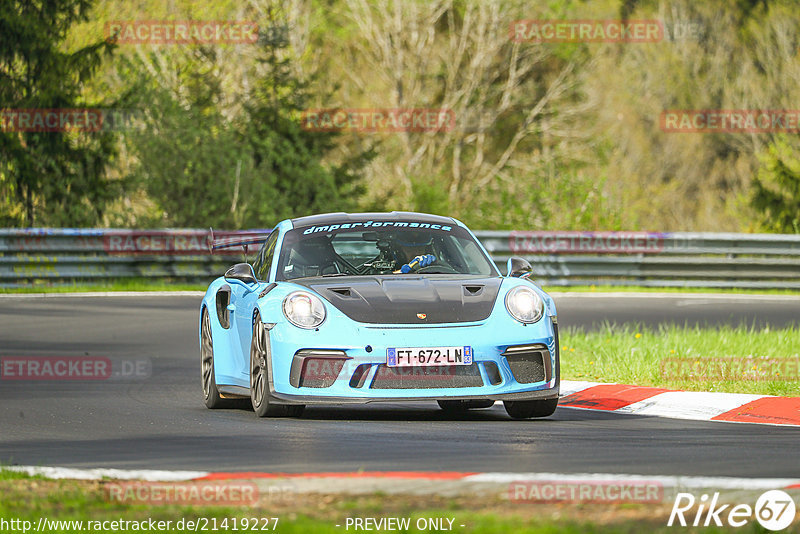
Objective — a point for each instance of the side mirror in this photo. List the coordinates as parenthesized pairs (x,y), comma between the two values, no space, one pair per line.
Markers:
(241,273)
(518,268)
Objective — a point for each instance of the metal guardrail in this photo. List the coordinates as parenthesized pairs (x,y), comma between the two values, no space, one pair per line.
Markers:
(680,259)
(655,259)
(61,256)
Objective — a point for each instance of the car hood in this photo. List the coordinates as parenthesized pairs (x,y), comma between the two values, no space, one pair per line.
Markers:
(409,299)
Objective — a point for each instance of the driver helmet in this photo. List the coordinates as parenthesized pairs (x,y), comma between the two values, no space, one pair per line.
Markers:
(408,245)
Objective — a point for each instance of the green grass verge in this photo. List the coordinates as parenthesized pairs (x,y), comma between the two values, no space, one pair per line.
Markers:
(122,284)
(731,359)
(29,499)
(638,289)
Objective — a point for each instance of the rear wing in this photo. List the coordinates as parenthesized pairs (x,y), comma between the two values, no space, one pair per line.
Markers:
(237,241)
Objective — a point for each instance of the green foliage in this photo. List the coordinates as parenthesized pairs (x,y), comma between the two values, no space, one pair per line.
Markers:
(50,178)
(203,168)
(777,188)
(429,197)
(288,160)
(188,155)
(547,135)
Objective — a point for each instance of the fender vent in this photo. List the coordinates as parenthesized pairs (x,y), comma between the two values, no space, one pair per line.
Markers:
(223,299)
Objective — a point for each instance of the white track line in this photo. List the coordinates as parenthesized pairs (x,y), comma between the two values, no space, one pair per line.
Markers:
(568,387)
(98,474)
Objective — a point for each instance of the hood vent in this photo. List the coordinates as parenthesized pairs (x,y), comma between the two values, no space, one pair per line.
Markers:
(341,291)
(473,290)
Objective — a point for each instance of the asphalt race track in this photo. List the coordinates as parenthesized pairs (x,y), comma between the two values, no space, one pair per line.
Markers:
(158,421)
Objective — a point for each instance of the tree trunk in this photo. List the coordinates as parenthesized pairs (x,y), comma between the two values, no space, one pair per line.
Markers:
(28,206)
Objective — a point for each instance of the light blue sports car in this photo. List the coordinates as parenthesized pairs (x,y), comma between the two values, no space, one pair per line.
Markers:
(355,308)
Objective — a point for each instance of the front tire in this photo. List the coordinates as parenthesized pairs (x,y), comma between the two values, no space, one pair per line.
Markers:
(211,394)
(259,377)
(529,409)
(538,408)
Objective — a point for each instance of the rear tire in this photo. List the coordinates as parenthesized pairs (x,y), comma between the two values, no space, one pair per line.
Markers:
(259,377)
(211,394)
(529,409)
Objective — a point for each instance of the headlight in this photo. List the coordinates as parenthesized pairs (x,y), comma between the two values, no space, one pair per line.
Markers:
(524,304)
(304,309)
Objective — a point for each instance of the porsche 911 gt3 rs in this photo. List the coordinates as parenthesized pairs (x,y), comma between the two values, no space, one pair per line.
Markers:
(356,308)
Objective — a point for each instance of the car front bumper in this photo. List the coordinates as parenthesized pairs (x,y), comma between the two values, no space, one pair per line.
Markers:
(512,361)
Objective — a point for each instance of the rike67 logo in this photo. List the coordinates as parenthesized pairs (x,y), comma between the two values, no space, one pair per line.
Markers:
(774,510)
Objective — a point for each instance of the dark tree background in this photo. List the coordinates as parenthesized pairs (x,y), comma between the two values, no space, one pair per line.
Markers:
(59,178)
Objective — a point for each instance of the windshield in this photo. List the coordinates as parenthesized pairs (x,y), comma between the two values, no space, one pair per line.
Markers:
(378,248)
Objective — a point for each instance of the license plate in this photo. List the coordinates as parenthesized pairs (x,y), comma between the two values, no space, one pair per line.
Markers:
(428,356)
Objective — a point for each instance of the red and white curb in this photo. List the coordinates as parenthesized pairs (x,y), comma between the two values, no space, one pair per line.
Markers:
(416,482)
(698,406)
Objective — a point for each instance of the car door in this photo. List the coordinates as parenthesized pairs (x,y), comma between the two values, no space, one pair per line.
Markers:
(244,300)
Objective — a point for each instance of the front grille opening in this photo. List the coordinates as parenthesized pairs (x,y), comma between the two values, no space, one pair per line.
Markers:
(316,369)
(528,363)
(493,373)
(360,375)
(440,376)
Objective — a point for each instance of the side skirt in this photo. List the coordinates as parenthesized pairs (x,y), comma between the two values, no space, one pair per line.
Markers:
(233,392)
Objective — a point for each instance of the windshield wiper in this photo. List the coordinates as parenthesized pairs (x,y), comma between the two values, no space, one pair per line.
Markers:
(330,275)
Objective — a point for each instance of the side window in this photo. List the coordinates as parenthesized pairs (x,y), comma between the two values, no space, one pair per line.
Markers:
(264,261)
